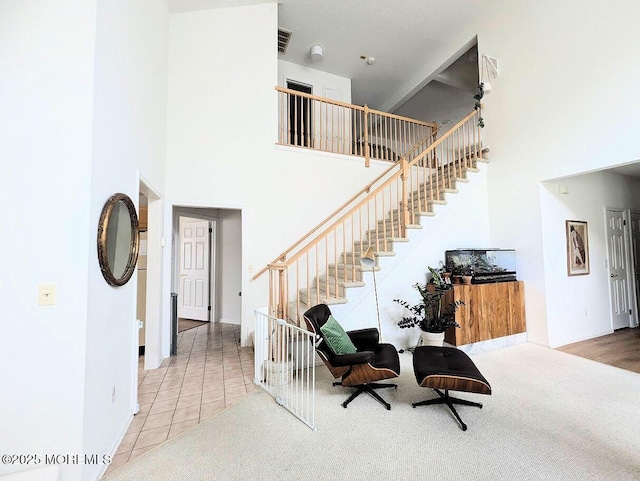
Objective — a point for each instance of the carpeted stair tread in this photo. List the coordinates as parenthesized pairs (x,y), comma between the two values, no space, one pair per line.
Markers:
(354,259)
(312,297)
(330,287)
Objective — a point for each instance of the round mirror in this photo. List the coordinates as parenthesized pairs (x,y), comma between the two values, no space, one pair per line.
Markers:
(118,239)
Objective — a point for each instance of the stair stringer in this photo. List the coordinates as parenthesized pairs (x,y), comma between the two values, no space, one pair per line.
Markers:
(460,223)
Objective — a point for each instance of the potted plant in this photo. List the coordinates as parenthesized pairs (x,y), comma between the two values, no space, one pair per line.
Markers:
(478,105)
(431,314)
(467,274)
(464,268)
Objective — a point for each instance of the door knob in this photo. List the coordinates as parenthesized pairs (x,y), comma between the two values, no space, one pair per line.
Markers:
(184,275)
(614,275)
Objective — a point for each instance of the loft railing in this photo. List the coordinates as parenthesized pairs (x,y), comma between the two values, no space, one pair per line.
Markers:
(320,123)
(326,260)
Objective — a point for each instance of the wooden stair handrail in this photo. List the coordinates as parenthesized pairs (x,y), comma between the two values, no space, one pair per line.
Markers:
(423,141)
(281,257)
(355,107)
(345,215)
(402,166)
(442,139)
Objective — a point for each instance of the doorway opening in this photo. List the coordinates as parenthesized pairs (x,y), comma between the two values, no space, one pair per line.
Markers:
(207,268)
(146,336)
(141,267)
(300,116)
(210,370)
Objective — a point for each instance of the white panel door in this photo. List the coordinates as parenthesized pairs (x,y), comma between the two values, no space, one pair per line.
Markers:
(193,294)
(618,274)
(338,124)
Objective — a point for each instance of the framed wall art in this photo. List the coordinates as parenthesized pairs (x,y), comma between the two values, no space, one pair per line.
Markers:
(577,248)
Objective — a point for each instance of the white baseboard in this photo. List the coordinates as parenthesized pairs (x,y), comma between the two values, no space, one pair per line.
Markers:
(99,469)
(230,321)
(491,344)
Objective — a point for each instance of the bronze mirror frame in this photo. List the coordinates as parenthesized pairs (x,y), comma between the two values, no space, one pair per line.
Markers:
(103,248)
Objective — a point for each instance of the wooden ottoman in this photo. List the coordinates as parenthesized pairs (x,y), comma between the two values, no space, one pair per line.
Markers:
(448,368)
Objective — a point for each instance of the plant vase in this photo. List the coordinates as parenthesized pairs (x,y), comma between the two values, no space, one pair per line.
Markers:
(277,375)
(430,338)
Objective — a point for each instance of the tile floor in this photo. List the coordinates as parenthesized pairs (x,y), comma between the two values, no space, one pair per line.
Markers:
(210,372)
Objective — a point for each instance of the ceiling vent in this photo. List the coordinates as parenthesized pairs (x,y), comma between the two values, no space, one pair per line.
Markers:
(283,40)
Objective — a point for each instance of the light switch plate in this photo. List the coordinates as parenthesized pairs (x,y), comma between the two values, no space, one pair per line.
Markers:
(46,294)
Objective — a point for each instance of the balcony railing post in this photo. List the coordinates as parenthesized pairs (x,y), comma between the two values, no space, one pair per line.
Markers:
(404,218)
(278,290)
(367,154)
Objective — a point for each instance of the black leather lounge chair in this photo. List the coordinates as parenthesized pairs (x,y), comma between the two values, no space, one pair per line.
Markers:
(372,361)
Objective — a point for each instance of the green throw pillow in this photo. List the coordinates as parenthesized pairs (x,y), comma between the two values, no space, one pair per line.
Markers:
(336,338)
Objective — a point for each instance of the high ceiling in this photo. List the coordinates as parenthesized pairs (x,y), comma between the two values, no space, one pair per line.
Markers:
(399,34)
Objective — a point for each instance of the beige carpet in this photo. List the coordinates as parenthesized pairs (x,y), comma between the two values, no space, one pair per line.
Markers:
(552,416)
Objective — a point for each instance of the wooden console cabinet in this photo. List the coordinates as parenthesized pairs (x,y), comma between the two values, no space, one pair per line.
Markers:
(489,311)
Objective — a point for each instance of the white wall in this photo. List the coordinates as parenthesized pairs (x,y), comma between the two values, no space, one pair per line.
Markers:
(129,141)
(556,109)
(585,311)
(566,102)
(82,116)
(46,59)
(221,151)
(319,81)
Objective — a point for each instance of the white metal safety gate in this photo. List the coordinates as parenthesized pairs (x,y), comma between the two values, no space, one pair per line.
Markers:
(285,365)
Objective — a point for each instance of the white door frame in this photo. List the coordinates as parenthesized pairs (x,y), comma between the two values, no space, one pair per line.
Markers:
(169,267)
(153,312)
(627,262)
(635,318)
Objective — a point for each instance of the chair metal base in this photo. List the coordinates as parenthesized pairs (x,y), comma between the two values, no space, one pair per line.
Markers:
(449,401)
(369,389)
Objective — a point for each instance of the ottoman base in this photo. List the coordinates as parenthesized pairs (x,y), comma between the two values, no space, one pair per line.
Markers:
(449,401)
(445,369)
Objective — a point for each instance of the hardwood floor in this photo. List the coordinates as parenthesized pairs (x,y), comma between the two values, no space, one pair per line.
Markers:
(620,349)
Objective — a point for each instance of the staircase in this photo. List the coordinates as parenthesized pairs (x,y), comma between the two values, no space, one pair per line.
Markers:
(324,264)
(332,287)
